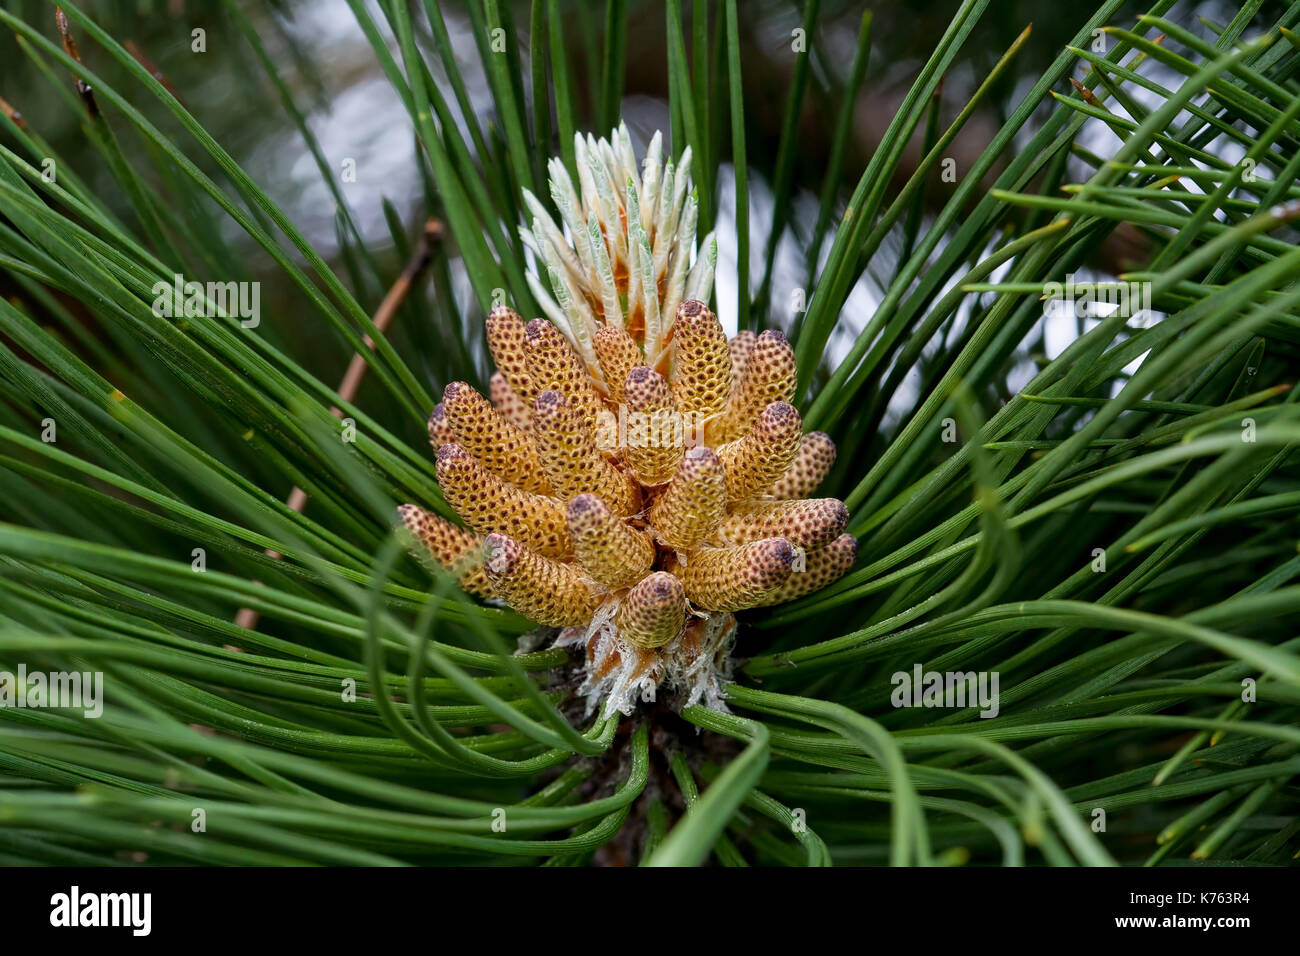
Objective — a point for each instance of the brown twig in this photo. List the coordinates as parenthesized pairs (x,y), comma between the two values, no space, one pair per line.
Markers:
(70,48)
(347,390)
(13,114)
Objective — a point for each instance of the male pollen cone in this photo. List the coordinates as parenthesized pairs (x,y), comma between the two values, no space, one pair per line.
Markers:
(741,344)
(568,453)
(549,592)
(457,550)
(822,566)
(655,435)
(618,354)
(812,462)
(499,444)
(701,377)
(614,553)
(732,579)
(554,366)
(654,612)
(698,503)
(440,432)
(508,345)
(690,508)
(755,461)
(487,504)
(807,523)
(769,376)
(507,401)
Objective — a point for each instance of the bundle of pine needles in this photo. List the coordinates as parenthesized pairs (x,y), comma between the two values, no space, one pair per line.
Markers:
(1102,531)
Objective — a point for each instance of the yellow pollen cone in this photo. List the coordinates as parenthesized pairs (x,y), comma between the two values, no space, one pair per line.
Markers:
(821,567)
(554,366)
(455,549)
(508,345)
(732,579)
(656,434)
(690,508)
(507,401)
(741,344)
(807,523)
(440,432)
(811,464)
(504,448)
(615,554)
(546,591)
(769,377)
(701,375)
(653,612)
(487,504)
(618,354)
(754,462)
(568,453)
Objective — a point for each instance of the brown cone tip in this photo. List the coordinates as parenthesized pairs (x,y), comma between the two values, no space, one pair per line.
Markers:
(771,554)
(502,551)
(584,510)
(450,452)
(644,387)
(831,510)
(456,391)
(538,328)
(699,459)
(769,562)
(661,586)
(781,416)
(690,307)
(549,402)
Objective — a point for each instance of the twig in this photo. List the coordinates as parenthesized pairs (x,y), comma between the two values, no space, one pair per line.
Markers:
(70,48)
(13,114)
(356,371)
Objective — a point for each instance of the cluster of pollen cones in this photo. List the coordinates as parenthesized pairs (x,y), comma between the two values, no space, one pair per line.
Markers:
(640,549)
(635,476)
